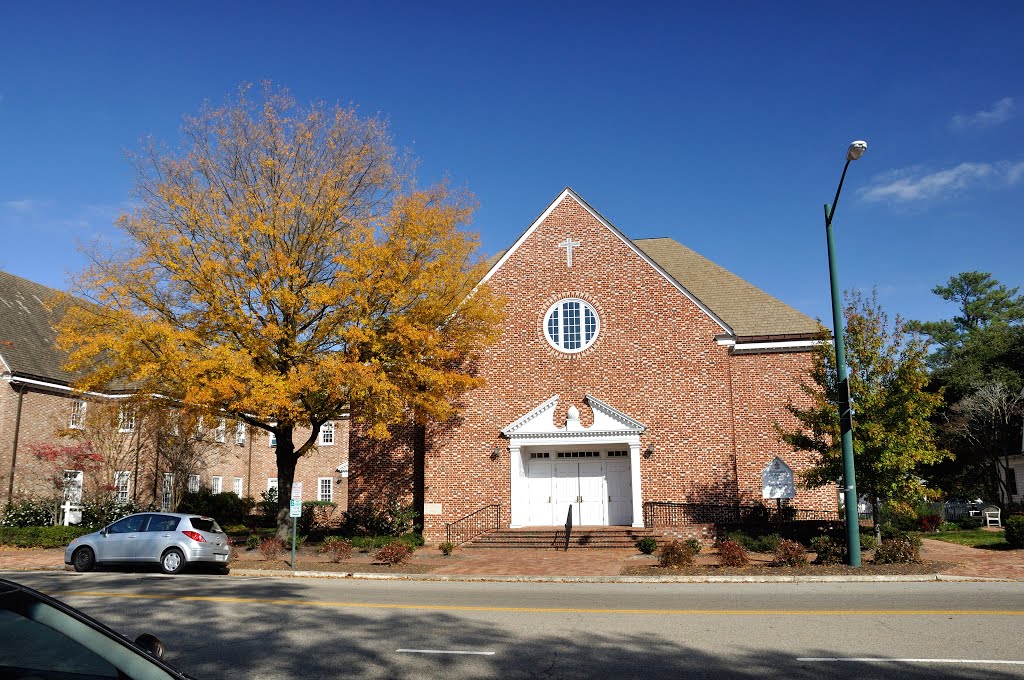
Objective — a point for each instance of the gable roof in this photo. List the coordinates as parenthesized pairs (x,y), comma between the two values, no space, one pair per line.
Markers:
(751,312)
(28,346)
(742,309)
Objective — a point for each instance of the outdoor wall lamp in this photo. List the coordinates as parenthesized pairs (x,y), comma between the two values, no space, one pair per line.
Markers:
(496,453)
(649,451)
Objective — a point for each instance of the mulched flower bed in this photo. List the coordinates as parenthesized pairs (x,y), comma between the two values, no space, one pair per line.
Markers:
(307,559)
(761,565)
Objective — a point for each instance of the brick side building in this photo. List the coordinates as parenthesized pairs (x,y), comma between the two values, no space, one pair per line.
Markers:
(37,405)
(627,372)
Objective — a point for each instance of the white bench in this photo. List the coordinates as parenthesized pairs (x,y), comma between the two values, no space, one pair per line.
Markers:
(992,516)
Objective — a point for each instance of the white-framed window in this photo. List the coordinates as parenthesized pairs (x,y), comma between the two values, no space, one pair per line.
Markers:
(325,489)
(271,483)
(122,486)
(217,483)
(220,435)
(571,325)
(193,483)
(236,486)
(174,418)
(77,421)
(199,427)
(240,433)
(168,492)
(327,434)
(272,439)
(125,418)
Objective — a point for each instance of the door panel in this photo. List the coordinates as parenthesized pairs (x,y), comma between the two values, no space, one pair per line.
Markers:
(539,493)
(567,490)
(620,493)
(592,493)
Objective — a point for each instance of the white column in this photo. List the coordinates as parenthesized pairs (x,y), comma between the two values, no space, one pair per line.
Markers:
(634,473)
(517,476)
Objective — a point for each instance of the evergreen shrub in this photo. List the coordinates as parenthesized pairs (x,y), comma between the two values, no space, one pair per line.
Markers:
(1015,531)
(647,545)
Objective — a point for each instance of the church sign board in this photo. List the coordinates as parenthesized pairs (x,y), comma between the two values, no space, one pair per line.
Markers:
(777,480)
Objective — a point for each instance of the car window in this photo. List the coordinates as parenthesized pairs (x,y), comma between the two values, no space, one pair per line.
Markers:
(127,525)
(205,524)
(29,649)
(163,523)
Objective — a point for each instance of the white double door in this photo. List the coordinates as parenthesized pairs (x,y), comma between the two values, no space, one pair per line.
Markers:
(598,491)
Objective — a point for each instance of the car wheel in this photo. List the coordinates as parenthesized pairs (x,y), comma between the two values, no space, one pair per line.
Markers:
(172,561)
(84,559)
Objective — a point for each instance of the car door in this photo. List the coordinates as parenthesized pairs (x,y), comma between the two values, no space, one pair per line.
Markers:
(118,545)
(156,538)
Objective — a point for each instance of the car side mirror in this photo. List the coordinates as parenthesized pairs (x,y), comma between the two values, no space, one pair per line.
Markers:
(151,645)
(104,531)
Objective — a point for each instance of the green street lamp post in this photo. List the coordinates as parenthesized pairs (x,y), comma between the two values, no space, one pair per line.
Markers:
(855,151)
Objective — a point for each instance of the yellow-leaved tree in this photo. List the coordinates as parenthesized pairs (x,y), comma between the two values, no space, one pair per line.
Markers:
(283,268)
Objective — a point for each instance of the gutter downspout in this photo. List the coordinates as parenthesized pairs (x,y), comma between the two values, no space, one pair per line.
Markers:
(14,447)
(248,474)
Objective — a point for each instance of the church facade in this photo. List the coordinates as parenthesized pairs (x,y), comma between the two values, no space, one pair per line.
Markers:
(627,373)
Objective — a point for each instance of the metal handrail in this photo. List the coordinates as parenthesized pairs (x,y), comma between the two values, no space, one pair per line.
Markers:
(568,527)
(478,521)
(670,513)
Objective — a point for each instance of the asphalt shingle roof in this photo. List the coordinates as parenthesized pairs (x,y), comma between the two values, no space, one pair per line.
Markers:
(27,338)
(749,311)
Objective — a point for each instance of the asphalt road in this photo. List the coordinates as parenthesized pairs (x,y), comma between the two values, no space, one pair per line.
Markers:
(231,627)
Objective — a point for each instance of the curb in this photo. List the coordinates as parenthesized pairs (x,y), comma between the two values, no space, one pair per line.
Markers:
(467,578)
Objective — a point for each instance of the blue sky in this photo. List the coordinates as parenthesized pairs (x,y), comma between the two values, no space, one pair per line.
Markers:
(722,125)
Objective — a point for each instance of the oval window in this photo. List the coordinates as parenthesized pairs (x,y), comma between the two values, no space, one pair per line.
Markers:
(571,325)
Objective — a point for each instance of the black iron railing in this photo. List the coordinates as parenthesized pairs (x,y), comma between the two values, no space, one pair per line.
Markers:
(472,525)
(568,528)
(671,514)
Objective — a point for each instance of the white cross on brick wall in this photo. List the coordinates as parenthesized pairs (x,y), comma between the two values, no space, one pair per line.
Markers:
(568,244)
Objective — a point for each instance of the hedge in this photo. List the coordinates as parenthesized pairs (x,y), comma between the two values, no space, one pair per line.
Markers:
(40,537)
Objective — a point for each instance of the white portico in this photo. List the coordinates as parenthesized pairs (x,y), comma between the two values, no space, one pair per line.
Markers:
(593,470)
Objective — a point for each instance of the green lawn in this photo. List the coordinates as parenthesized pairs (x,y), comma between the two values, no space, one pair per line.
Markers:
(976,538)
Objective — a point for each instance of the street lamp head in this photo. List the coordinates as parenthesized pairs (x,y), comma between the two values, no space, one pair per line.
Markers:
(856,150)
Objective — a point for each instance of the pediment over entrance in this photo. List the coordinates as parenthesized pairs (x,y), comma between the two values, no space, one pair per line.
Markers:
(540,422)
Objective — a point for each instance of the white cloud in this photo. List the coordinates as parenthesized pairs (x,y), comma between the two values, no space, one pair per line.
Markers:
(916,184)
(1000,112)
(25,206)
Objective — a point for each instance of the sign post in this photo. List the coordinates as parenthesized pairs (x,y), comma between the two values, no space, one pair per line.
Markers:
(295,511)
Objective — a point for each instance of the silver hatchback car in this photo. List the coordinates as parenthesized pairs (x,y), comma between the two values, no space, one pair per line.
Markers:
(170,539)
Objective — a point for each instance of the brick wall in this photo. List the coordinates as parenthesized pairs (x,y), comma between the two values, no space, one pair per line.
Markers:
(709,414)
(44,413)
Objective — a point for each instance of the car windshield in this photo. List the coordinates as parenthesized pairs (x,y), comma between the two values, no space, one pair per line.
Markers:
(205,524)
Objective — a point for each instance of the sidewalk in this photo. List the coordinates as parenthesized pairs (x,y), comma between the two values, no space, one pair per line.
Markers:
(601,564)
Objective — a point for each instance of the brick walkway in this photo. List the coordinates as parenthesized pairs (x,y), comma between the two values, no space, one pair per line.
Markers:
(496,562)
(975,561)
(1005,564)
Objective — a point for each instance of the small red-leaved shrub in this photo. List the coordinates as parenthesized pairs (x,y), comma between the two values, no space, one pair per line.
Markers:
(336,548)
(676,554)
(271,548)
(790,554)
(393,553)
(929,523)
(732,554)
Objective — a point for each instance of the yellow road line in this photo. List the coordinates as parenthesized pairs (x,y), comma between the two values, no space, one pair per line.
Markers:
(552,610)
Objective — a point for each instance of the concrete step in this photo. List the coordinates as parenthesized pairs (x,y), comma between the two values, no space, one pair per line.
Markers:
(535,538)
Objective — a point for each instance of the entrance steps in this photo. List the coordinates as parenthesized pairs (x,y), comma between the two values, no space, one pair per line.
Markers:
(548,538)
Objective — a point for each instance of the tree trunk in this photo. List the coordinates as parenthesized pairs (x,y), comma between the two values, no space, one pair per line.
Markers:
(286,460)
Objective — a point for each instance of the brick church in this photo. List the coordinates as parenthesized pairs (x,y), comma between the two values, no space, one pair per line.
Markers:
(628,372)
